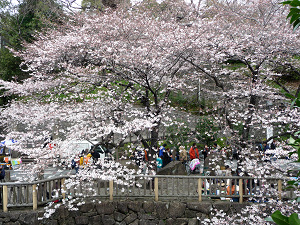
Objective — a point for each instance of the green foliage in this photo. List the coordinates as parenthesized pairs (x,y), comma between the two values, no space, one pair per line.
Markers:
(178,135)
(296,145)
(287,73)
(294,14)
(234,64)
(9,70)
(32,16)
(16,27)
(295,100)
(90,5)
(238,127)
(126,150)
(280,219)
(186,101)
(221,142)
(206,130)
(9,65)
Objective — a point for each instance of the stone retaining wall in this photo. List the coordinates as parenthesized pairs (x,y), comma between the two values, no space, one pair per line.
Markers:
(125,212)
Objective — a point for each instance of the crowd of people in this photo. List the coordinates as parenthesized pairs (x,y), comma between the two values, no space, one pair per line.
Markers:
(263,147)
(84,158)
(192,156)
(165,155)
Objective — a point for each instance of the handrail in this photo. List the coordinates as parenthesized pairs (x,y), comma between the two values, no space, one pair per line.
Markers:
(144,186)
(219,177)
(32,182)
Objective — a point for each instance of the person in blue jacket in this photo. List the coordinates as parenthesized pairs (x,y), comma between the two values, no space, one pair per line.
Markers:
(162,149)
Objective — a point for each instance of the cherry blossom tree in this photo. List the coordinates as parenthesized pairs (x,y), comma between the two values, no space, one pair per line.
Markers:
(100,59)
(113,72)
(117,54)
(250,33)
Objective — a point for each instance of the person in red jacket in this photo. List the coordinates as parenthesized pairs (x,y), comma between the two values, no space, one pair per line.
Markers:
(194,153)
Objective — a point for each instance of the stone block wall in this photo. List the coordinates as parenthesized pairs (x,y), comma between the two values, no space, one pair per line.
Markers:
(125,212)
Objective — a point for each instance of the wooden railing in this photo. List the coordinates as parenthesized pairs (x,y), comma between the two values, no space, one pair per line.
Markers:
(23,194)
(157,187)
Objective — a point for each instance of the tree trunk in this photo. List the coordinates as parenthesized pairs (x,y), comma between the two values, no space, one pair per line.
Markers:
(153,142)
(251,107)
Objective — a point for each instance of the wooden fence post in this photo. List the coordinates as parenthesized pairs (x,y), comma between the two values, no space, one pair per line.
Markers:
(200,189)
(63,187)
(279,189)
(5,199)
(34,197)
(156,188)
(111,189)
(241,190)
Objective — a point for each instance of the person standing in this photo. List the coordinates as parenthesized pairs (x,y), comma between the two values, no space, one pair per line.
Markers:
(145,155)
(182,154)
(205,151)
(159,163)
(167,157)
(194,153)
(162,149)
(273,145)
(265,147)
(2,173)
(235,154)
(95,156)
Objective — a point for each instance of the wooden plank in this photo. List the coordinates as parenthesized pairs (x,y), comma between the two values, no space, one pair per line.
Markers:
(50,189)
(241,190)
(44,191)
(34,197)
(279,189)
(156,188)
(63,187)
(5,198)
(111,189)
(26,194)
(200,189)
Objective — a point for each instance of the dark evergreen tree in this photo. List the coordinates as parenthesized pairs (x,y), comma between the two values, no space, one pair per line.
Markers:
(19,24)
